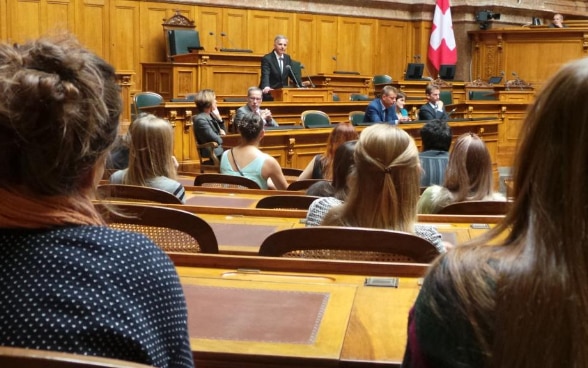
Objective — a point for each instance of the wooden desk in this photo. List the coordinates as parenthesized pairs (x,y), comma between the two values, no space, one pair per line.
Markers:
(310,320)
(229,72)
(299,95)
(343,84)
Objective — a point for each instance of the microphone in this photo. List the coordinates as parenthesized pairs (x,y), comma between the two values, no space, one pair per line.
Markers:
(514,74)
(308,76)
(217,47)
(291,72)
(335,59)
(451,112)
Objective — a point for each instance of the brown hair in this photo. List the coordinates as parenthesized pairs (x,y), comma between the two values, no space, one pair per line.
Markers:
(469,171)
(343,132)
(151,150)
(384,185)
(59,115)
(531,309)
(250,126)
(204,99)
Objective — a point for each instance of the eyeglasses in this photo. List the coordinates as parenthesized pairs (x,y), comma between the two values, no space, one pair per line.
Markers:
(255,98)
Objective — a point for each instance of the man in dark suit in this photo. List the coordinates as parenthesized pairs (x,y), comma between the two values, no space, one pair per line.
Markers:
(274,70)
(382,109)
(254,106)
(434,108)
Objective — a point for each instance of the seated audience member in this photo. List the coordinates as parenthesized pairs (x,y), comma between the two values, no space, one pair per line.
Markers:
(118,157)
(248,161)
(434,108)
(384,185)
(208,127)
(69,282)
(381,109)
(436,137)
(333,193)
(151,160)
(468,177)
(254,98)
(557,21)
(521,301)
(321,166)
(401,112)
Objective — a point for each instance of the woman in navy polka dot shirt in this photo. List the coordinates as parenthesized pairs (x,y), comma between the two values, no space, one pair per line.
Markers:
(69,283)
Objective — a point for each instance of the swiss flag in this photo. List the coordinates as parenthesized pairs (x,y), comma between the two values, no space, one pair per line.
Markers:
(442,49)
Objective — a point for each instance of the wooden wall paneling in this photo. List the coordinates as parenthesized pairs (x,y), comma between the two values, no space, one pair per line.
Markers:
(59,15)
(25,20)
(326,45)
(355,45)
(210,20)
(92,26)
(235,29)
(125,35)
(520,52)
(4,20)
(392,48)
(264,26)
(421,35)
(305,34)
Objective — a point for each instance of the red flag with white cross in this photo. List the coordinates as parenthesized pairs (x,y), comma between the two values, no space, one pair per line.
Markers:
(442,48)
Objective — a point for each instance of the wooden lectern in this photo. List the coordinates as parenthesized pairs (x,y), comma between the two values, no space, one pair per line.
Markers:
(303,94)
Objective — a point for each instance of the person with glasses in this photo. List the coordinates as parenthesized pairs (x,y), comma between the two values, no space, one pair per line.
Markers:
(381,109)
(254,99)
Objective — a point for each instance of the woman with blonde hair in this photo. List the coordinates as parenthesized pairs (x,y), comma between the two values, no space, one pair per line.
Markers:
(151,160)
(69,282)
(522,301)
(384,185)
(468,177)
(249,161)
(321,166)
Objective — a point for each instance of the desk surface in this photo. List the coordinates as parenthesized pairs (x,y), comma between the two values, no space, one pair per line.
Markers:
(276,319)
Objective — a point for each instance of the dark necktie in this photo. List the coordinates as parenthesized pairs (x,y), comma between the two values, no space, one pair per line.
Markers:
(385,114)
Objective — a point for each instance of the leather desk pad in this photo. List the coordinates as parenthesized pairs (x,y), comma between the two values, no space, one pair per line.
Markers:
(277,316)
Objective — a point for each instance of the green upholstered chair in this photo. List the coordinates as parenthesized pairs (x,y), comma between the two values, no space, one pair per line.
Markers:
(144,99)
(181,41)
(356,117)
(359,97)
(315,119)
(381,79)
(336,97)
(446,97)
(488,94)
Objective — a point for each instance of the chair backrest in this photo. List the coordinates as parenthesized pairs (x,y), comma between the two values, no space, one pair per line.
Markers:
(359,97)
(173,230)
(136,193)
(225,181)
(286,202)
(302,184)
(446,97)
(348,243)
(315,119)
(32,358)
(356,117)
(291,174)
(381,79)
(181,41)
(336,97)
(477,208)
(143,99)
(488,94)
(210,163)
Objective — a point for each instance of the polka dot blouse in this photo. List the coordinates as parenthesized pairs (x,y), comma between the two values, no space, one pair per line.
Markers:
(92,290)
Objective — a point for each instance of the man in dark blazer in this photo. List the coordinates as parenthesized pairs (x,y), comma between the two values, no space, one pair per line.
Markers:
(382,109)
(434,108)
(254,98)
(274,70)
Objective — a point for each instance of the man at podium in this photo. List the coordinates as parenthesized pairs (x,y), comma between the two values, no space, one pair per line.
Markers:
(276,68)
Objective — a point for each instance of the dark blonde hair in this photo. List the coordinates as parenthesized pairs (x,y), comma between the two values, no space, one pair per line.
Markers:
(530,309)
(384,184)
(204,99)
(59,114)
(151,150)
(469,171)
(343,132)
